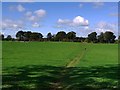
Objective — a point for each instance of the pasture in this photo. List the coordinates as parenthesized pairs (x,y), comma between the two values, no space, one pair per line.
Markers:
(59,66)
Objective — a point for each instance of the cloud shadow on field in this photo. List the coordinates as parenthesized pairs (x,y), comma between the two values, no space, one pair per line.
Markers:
(60,78)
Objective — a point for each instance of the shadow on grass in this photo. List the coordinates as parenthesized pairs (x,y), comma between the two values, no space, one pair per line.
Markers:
(60,78)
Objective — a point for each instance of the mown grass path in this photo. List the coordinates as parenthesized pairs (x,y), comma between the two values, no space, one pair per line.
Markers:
(73,62)
(58,85)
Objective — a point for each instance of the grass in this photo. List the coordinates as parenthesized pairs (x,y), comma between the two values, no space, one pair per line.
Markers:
(99,54)
(38,53)
(41,66)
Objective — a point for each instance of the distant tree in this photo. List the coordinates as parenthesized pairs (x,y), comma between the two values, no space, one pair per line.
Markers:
(49,36)
(27,35)
(53,37)
(118,37)
(92,37)
(40,35)
(60,35)
(101,37)
(1,37)
(35,36)
(9,37)
(79,39)
(71,35)
(109,37)
(20,35)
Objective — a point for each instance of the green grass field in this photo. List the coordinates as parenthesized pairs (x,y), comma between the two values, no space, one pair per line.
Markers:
(42,66)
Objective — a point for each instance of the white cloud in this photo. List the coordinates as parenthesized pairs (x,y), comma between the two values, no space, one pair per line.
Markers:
(76,22)
(7,24)
(103,26)
(15,25)
(64,21)
(20,8)
(10,24)
(32,18)
(35,16)
(36,25)
(106,25)
(80,21)
(99,27)
(28,13)
(28,19)
(40,13)
(86,28)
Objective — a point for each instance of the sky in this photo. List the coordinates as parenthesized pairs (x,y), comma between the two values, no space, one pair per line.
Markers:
(60,0)
(44,17)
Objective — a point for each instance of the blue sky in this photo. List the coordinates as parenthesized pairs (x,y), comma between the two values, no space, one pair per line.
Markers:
(81,17)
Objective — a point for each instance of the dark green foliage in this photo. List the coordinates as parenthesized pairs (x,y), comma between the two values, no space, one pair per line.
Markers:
(60,36)
(119,39)
(28,36)
(36,36)
(101,38)
(49,36)
(1,37)
(92,37)
(9,37)
(20,35)
(71,35)
(109,37)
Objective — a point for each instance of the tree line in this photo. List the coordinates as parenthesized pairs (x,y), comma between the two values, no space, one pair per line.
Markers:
(107,37)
